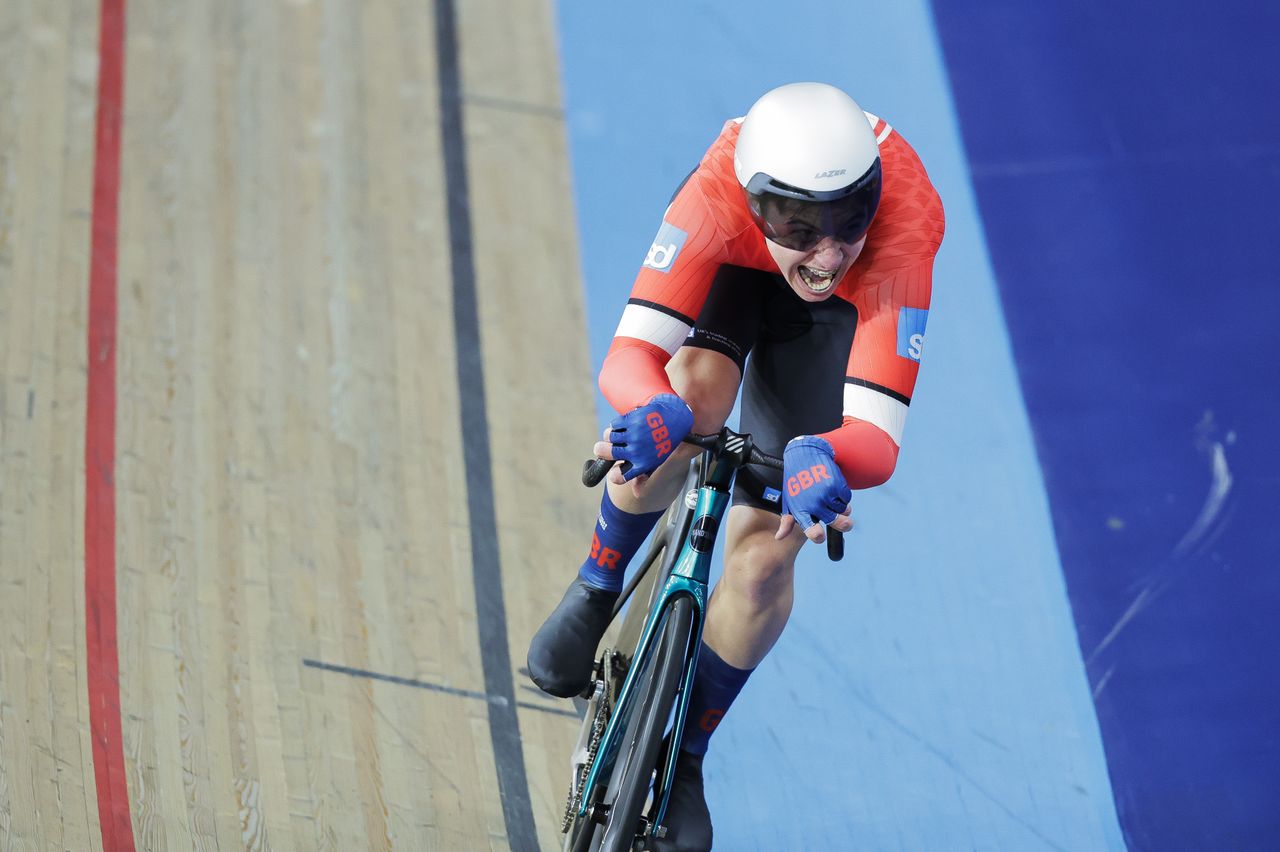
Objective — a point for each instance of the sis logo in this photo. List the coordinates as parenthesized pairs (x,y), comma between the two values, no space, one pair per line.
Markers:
(911,323)
(666,245)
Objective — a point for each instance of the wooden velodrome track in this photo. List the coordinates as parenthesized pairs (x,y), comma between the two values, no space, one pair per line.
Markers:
(295,390)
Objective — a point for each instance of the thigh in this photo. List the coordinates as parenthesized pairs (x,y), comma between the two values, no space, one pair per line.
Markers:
(793,384)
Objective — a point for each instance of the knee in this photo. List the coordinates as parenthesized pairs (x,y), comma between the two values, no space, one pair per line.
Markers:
(759,569)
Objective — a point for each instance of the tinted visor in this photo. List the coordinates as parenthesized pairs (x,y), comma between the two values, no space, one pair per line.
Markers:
(799,219)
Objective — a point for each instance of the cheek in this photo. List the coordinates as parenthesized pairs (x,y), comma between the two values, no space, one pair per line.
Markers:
(855,250)
(785,259)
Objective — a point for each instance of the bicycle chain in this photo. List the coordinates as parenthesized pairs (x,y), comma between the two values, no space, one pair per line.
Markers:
(603,710)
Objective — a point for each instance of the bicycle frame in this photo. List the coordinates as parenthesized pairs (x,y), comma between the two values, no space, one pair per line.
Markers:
(689,576)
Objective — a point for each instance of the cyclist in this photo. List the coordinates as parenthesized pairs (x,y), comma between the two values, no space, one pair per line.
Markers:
(805,237)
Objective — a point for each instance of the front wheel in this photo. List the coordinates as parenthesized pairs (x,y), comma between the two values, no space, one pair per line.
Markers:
(633,776)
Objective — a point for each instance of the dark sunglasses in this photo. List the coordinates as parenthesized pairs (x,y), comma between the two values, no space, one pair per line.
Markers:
(799,219)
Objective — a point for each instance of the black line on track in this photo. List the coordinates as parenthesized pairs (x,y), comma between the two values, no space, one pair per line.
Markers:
(486,569)
(507,105)
(434,687)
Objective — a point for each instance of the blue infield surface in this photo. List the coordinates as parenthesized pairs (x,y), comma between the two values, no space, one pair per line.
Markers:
(1055,627)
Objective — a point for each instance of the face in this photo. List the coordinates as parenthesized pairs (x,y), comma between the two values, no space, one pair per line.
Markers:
(815,273)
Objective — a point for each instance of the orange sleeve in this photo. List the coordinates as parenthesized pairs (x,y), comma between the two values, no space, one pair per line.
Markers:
(892,294)
(633,373)
(665,300)
(881,374)
(865,454)
(889,342)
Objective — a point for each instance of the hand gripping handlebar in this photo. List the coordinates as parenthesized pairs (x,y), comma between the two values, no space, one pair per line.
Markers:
(594,470)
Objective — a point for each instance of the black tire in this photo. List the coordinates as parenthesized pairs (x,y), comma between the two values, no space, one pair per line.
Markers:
(639,753)
(584,835)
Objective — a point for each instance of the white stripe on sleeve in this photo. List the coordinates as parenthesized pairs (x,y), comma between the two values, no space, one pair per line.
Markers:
(877,409)
(644,323)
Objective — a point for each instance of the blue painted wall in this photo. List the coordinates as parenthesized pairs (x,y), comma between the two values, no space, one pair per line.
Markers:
(1127,160)
(929,692)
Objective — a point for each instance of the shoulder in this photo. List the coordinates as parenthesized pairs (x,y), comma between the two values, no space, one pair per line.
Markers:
(895,269)
(710,209)
(910,222)
(716,183)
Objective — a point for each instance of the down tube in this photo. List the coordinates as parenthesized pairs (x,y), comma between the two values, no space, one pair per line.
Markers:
(690,576)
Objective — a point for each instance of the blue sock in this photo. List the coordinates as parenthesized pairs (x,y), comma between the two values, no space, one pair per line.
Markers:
(617,537)
(715,685)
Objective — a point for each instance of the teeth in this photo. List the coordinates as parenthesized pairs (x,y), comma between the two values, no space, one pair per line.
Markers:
(817,280)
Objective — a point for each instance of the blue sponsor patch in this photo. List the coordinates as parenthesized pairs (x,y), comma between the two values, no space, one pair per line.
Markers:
(662,254)
(911,323)
(773,495)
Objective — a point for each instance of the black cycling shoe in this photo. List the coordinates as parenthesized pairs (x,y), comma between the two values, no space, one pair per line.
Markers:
(562,653)
(688,821)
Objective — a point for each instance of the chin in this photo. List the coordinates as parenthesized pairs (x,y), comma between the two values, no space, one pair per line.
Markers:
(802,290)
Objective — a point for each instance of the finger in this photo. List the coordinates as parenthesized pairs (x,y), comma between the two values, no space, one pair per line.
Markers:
(816,534)
(843,523)
(603,450)
(629,471)
(785,525)
(616,476)
(607,430)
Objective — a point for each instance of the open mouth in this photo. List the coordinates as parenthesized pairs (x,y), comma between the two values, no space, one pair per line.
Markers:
(818,280)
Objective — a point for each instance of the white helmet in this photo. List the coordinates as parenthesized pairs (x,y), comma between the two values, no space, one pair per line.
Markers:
(809,164)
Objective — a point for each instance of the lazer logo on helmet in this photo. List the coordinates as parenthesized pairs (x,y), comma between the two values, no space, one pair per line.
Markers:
(666,245)
(829,174)
(911,323)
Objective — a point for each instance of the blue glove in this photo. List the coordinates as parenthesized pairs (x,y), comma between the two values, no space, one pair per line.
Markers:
(644,437)
(814,489)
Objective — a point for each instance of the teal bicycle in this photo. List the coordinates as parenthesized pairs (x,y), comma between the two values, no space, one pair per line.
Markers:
(635,707)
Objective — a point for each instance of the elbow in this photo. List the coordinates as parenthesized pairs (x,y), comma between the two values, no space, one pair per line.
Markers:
(866,454)
(633,373)
(874,467)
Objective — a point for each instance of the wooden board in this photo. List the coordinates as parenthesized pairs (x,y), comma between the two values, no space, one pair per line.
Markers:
(48,66)
(301,666)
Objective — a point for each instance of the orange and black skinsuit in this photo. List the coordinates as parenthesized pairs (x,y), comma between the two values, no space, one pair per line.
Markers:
(843,368)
